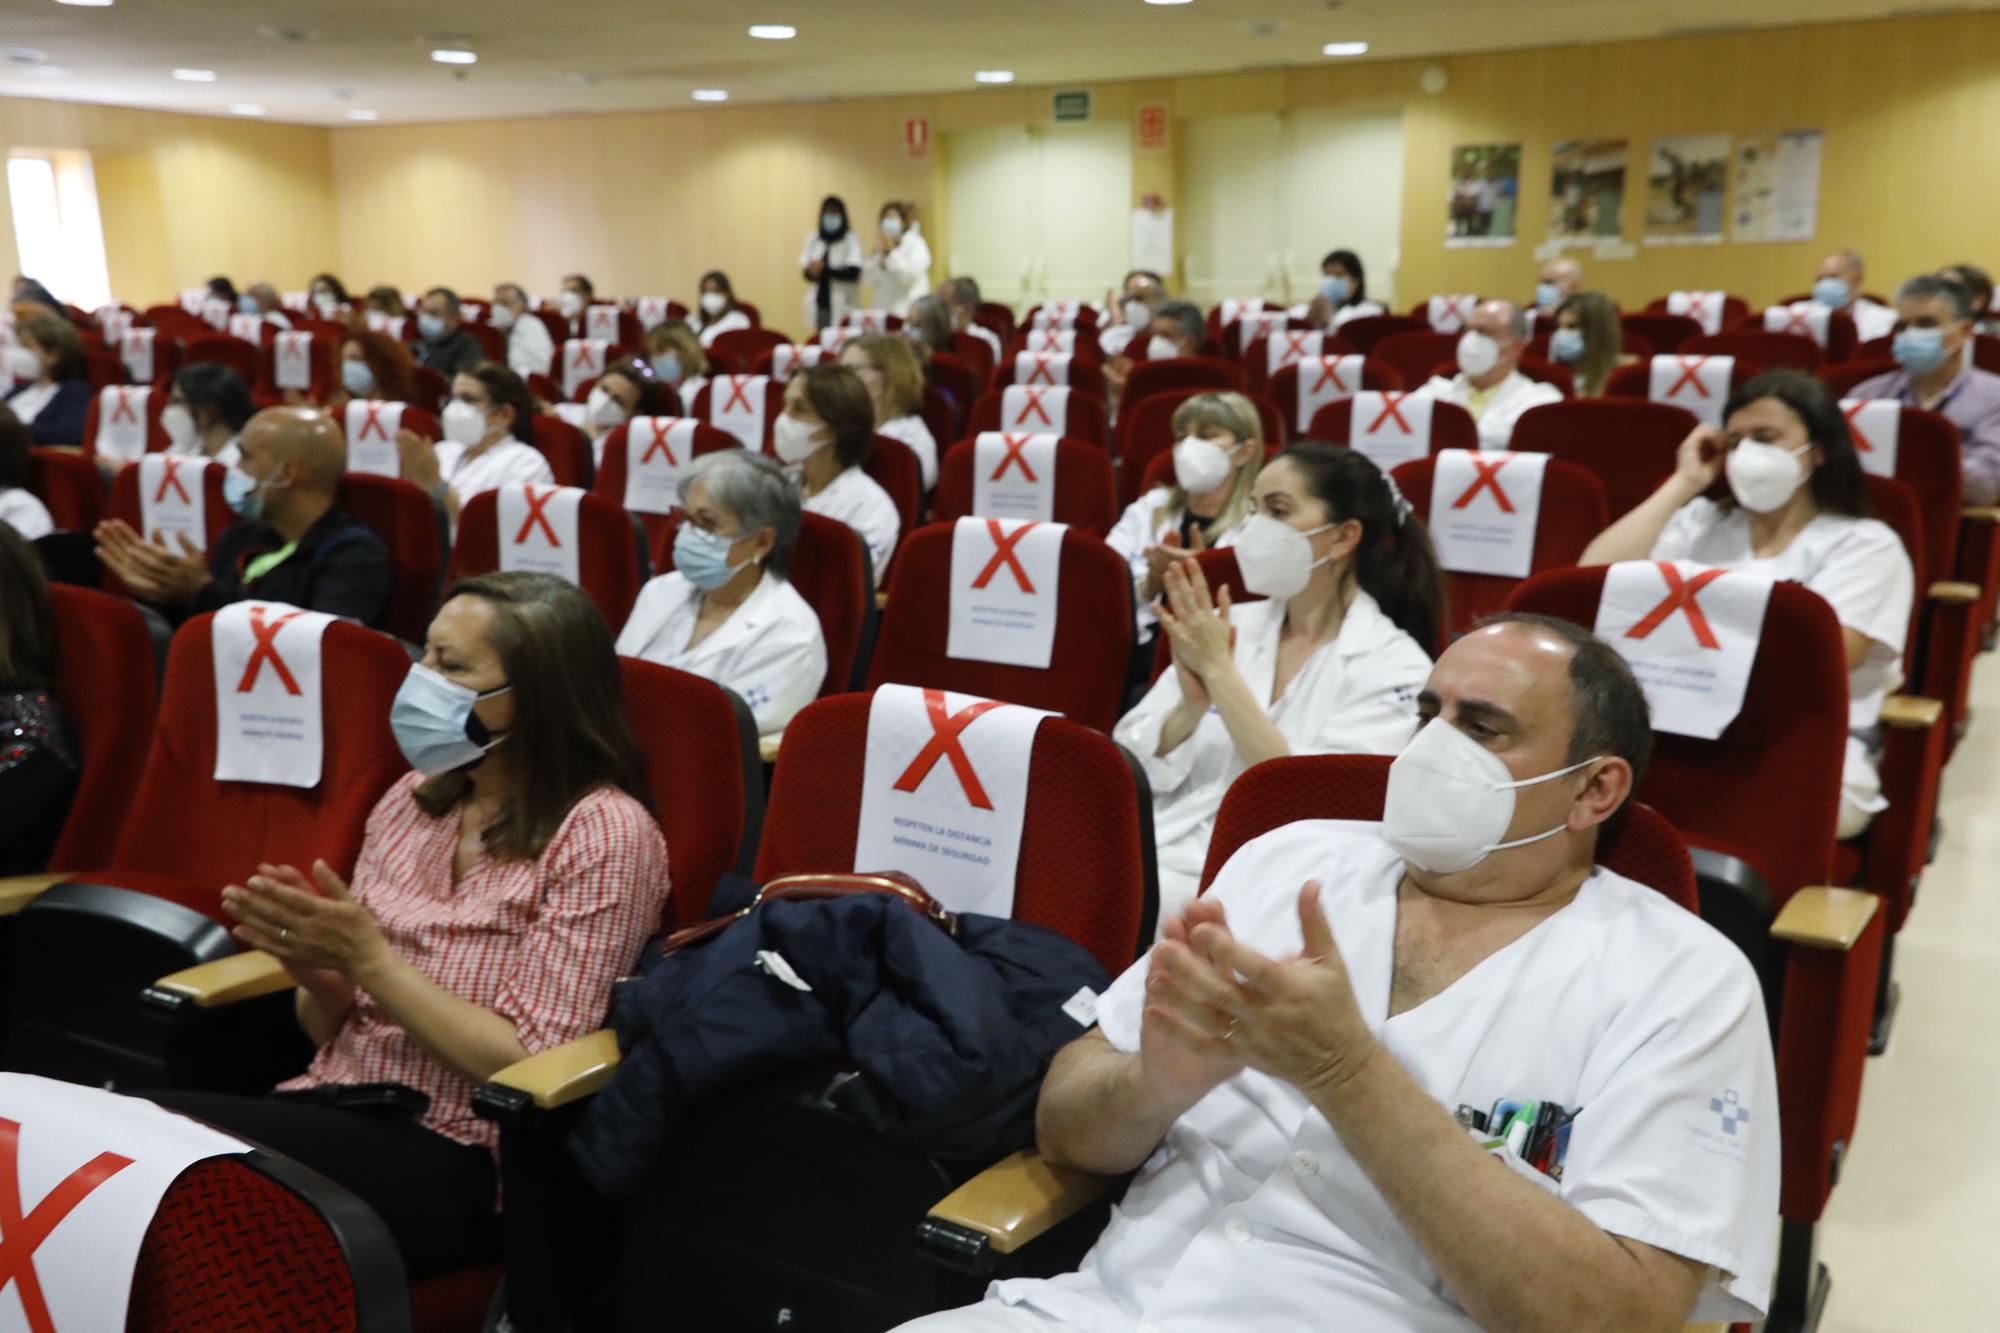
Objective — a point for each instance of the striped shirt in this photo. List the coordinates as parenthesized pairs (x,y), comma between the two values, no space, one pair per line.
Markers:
(538,942)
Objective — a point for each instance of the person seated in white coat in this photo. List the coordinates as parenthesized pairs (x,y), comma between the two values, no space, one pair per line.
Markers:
(1218,452)
(716,311)
(1797,510)
(20,508)
(962,295)
(1838,287)
(823,437)
(678,361)
(831,263)
(530,349)
(888,366)
(900,269)
(727,612)
(1342,295)
(622,392)
(1177,331)
(1489,383)
(1284,1068)
(490,409)
(1329,663)
(1130,314)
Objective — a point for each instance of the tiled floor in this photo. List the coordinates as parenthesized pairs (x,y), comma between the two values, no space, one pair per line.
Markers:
(1909,1234)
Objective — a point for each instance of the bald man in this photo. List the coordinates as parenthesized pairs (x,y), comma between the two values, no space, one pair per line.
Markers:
(1489,383)
(261,299)
(1838,285)
(293,544)
(1560,280)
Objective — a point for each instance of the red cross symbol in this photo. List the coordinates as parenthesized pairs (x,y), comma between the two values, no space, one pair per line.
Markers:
(944,744)
(1681,594)
(866,321)
(1690,374)
(537,505)
(1041,374)
(1329,373)
(1488,478)
(373,421)
(585,358)
(292,346)
(121,407)
(1003,555)
(1015,443)
(21,1235)
(1796,321)
(660,426)
(1034,404)
(1295,346)
(266,649)
(1451,308)
(1392,406)
(1853,415)
(739,394)
(171,467)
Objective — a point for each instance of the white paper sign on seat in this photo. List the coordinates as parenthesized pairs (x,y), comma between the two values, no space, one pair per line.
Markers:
(1704,308)
(1484,510)
(269,720)
(1876,424)
(121,421)
(1808,319)
(1323,380)
(1014,476)
(1449,313)
(658,452)
(135,349)
(1391,428)
(736,405)
(1048,368)
(1056,342)
(652,311)
(292,361)
(788,359)
(1004,591)
(372,427)
(1034,408)
(600,323)
(170,500)
(539,530)
(1291,347)
(248,328)
(1698,383)
(1690,635)
(582,360)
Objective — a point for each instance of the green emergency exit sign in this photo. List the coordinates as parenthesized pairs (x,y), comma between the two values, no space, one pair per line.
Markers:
(1073,104)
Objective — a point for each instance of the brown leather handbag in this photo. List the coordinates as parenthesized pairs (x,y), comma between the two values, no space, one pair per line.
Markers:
(806,888)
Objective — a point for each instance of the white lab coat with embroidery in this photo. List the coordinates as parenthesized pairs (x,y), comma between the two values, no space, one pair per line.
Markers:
(771,650)
(1510,398)
(902,275)
(1355,695)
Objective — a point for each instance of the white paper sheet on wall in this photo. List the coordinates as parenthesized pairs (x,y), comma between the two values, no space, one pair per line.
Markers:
(1777,186)
(1153,239)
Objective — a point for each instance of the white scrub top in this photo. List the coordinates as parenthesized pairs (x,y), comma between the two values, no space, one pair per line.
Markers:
(729,322)
(507,463)
(1502,408)
(1353,310)
(1354,695)
(1860,567)
(1872,320)
(841,297)
(530,349)
(770,650)
(855,499)
(902,275)
(1143,526)
(1251,1216)
(912,431)
(22,510)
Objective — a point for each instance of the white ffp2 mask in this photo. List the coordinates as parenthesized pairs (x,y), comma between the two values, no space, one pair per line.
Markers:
(463,423)
(1764,477)
(1451,799)
(1159,348)
(792,439)
(1477,353)
(1200,466)
(1275,558)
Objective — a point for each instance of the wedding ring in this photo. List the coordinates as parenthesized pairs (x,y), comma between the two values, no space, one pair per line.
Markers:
(284,933)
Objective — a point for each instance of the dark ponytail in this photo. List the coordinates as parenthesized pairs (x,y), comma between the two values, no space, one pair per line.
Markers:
(1393,562)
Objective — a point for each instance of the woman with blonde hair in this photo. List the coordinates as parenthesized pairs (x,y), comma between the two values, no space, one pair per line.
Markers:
(888,364)
(1590,341)
(678,360)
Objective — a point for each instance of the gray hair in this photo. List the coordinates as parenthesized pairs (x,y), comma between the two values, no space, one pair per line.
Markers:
(962,290)
(1926,286)
(931,318)
(1186,314)
(753,488)
(1853,260)
(450,298)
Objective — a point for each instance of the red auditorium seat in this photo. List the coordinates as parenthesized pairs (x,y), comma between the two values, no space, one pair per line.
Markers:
(1637,381)
(1630,446)
(736,352)
(430,389)
(1083,372)
(609,564)
(962,383)
(94,416)
(1285,393)
(1734,311)
(1841,338)
(1370,330)
(1842,379)
(124,505)
(68,485)
(1415,356)
(223,350)
(566,448)
(893,466)
(1452,427)
(104,681)
(1256,357)
(1093,637)
(1085,490)
(1082,419)
(611,469)
(977,354)
(1183,372)
(411,525)
(1772,351)
(721,391)
(322,371)
(1667,333)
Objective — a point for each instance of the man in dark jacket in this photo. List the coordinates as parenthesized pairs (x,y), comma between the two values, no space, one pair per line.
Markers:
(443,344)
(293,545)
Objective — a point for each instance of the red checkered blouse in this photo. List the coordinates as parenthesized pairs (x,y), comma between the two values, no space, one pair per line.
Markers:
(539,941)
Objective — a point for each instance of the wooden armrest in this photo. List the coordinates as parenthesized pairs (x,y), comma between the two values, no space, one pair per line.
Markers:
(1825,918)
(767,747)
(566,1073)
(18,891)
(1958,594)
(1018,1198)
(1911,712)
(1980,513)
(241,976)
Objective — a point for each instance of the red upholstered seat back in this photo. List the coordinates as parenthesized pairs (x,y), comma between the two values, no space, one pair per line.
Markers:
(69,485)
(222,350)
(104,681)
(322,364)
(612,469)
(1768,789)
(1086,370)
(1415,356)
(1256,355)
(894,467)
(566,448)
(1930,462)
(1896,504)
(156,438)
(1376,376)
(737,351)
(1629,445)
(1666,333)
(406,519)
(189,834)
(1182,372)
(1083,418)
(1792,351)
(1452,427)
(1085,677)
(1086,862)
(1572,512)
(1646,849)
(1734,311)
(607,551)
(1085,491)
(1368,331)
(1841,379)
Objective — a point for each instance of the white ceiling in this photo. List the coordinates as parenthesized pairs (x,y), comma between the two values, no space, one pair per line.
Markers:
(313,61)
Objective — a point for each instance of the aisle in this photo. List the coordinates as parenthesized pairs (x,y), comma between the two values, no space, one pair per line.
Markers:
(1909,1232)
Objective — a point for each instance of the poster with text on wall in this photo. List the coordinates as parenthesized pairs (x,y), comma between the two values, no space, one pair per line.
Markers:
(1485,195)
(1587,191)
(1777,186)
(1687,180)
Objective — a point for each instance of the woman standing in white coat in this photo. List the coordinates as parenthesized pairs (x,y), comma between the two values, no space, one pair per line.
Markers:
(823,437)
(831,262)
(728,612)
(1330,663)
(900,271)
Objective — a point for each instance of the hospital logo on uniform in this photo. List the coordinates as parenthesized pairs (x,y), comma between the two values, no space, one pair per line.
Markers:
(1730,1110)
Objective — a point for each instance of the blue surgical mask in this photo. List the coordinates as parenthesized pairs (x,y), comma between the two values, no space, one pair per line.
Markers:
(1919,351)
(1831,292)
(246,304)
(243,493)
(1547,295)
(358,378)
(434,724)
(667,368)
(702,558)
(830,223)
(1566,345)
(1336,290)
(431,327)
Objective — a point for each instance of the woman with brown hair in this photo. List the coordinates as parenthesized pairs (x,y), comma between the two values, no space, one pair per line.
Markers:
(1590,341)
(372,365)
(51,377)
(501,888)
(894,377)
(824,437)
(38,766)
(485,424)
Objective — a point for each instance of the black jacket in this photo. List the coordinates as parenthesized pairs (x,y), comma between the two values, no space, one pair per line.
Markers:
(951,1036)
(449,356)
(61,419)
(340,568)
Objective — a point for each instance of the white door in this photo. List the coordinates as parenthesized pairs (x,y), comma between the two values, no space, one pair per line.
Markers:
(1041,212)
(990,210)
(1344,188)
(1232,229)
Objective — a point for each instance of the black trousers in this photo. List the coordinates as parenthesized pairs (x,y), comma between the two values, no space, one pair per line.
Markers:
(434,1194)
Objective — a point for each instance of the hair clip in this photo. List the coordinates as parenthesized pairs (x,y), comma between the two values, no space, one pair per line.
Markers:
(1396,499)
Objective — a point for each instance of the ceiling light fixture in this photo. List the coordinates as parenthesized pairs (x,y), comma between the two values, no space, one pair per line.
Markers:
(710,95)
(52,71)
(86,4)
(1169,2)
(993,76)
(195,75)
(1344,49)
(359,114)
(773,32)
(449,55)
(246,109)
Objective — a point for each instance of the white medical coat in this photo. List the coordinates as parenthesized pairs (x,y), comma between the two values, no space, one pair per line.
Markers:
(508,463)
(912,431)
(1143,526)
(855,499)
(770,651)
(1510,398)
(728,322)
(902,275)
(530,349)
(841,297)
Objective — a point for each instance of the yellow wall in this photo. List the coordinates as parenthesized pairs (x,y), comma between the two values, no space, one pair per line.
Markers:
(187,197)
